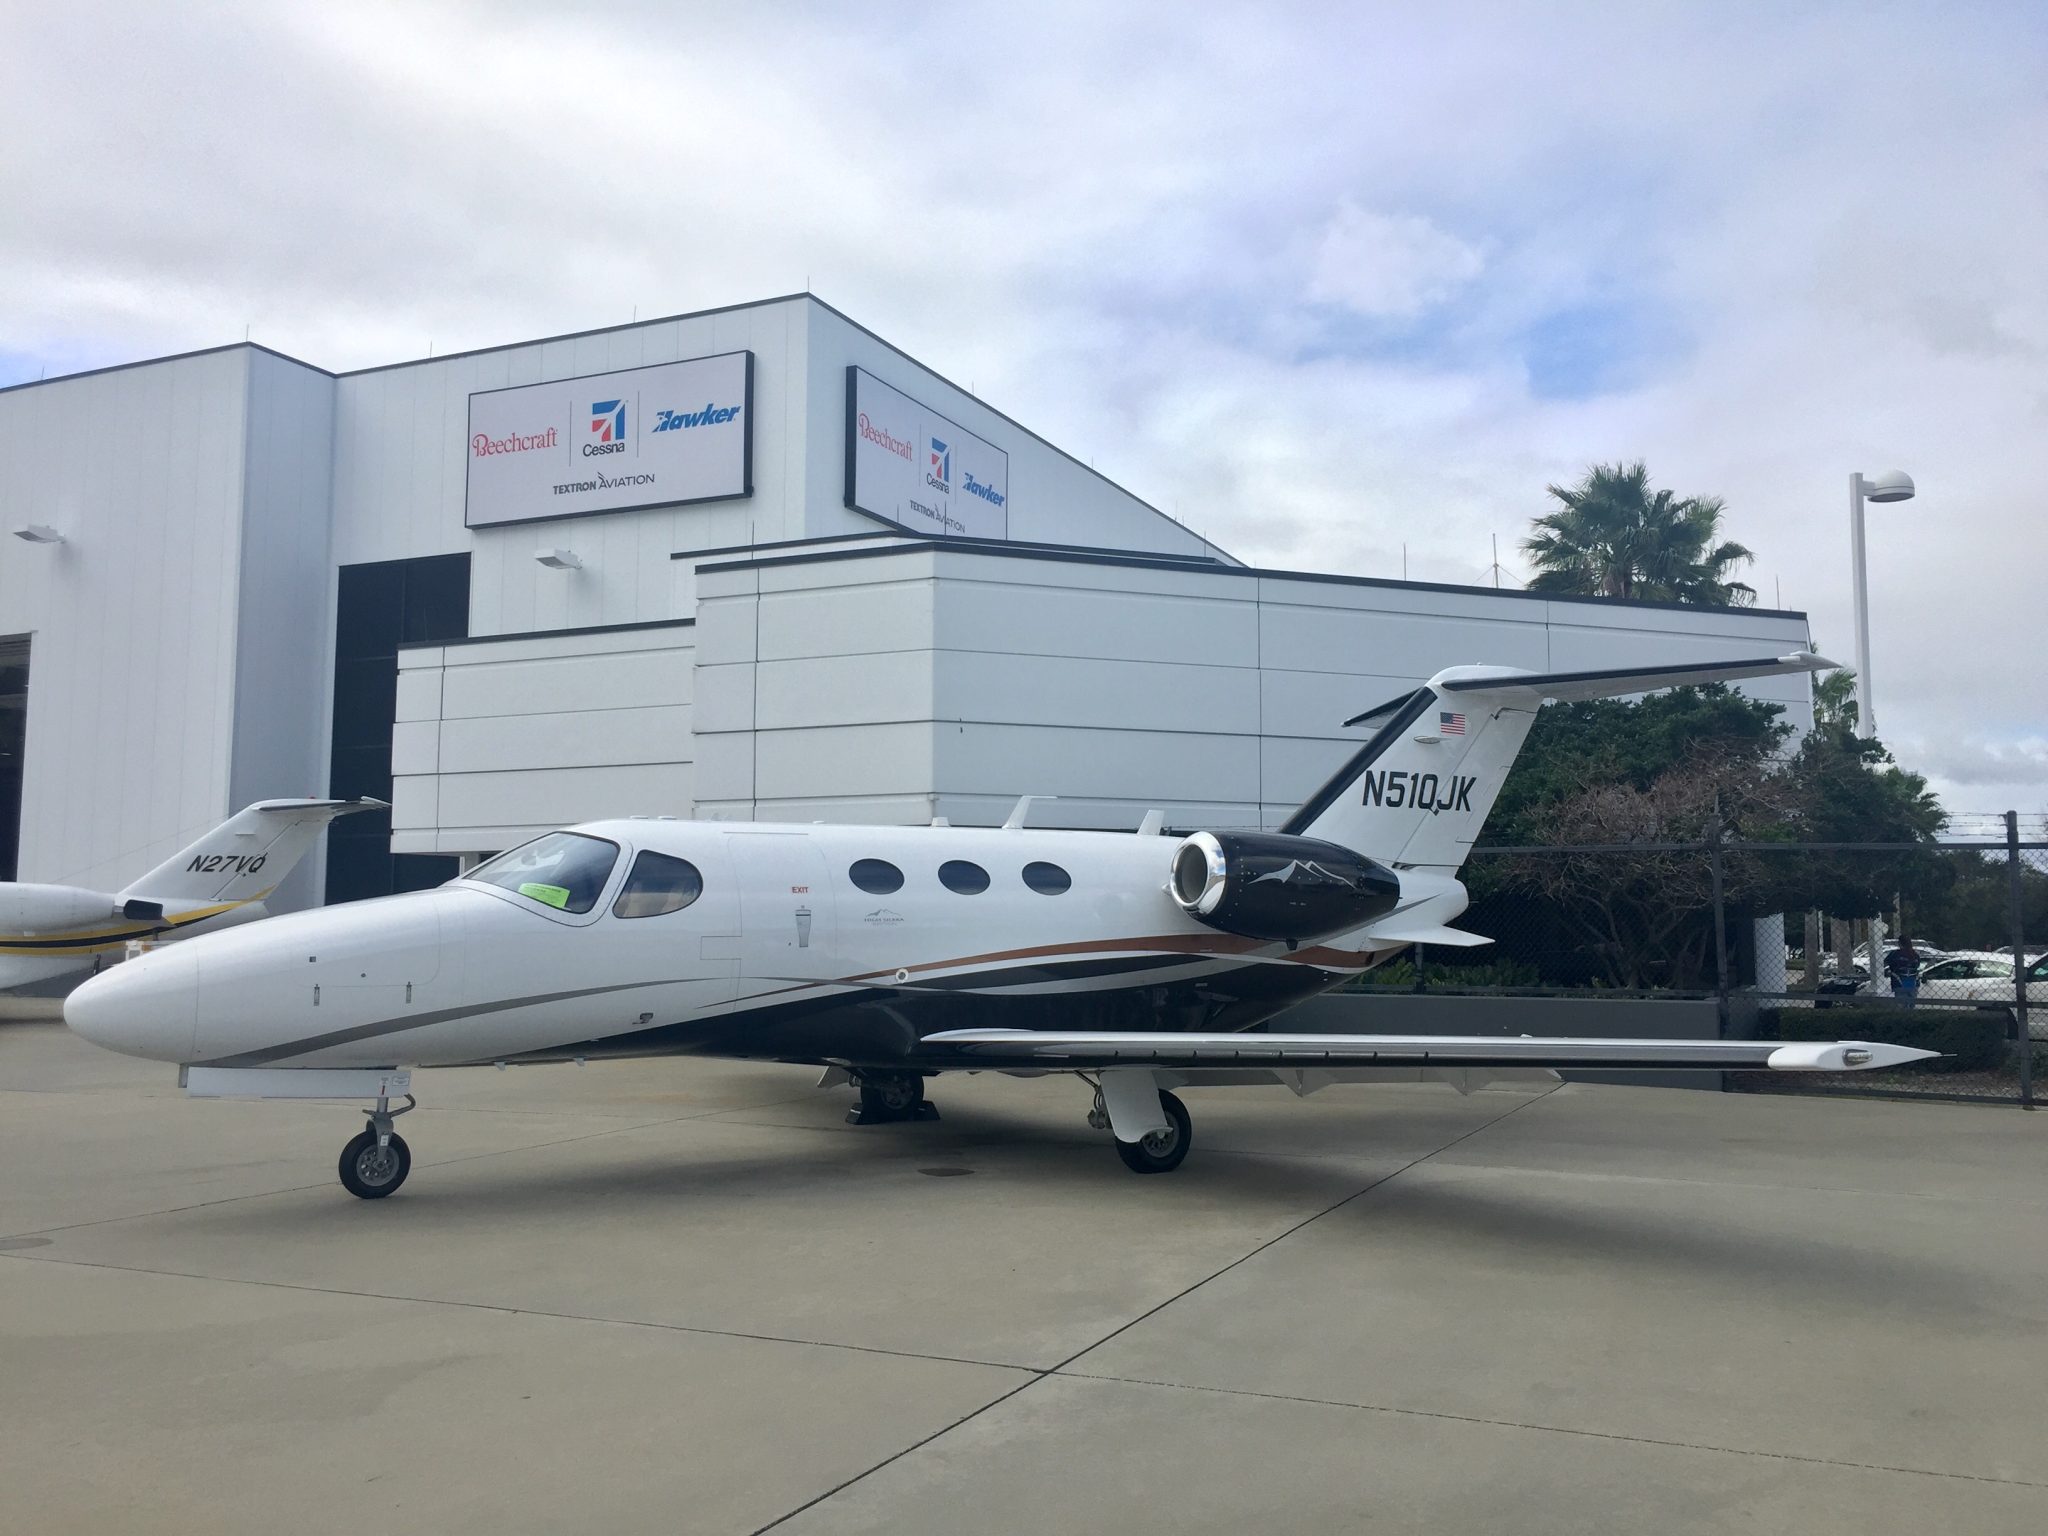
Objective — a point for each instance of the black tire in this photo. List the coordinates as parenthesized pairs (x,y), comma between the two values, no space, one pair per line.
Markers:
(891,1095)
(368,1176)
(1162,1151)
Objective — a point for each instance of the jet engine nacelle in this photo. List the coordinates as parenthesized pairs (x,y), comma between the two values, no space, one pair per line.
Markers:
(1266,885)
(29,909)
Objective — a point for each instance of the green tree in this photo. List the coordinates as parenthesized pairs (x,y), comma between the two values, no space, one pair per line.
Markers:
(1834,699)
(1623,776)
(1611,535)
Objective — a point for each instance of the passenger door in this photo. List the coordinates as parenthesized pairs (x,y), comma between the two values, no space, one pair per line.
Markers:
(787,927)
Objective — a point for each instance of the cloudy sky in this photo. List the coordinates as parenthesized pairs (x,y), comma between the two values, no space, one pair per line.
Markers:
(1324,281)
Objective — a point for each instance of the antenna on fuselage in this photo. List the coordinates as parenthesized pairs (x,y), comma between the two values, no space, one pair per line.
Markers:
(1016,821)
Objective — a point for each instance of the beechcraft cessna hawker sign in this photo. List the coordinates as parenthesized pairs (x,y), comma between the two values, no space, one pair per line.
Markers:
(908,465)
(609,442)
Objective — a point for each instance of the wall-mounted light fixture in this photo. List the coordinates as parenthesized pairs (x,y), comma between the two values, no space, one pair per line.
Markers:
(559,559)
(39,533)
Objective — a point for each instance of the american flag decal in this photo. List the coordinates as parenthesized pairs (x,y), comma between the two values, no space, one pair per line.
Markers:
(1449,724)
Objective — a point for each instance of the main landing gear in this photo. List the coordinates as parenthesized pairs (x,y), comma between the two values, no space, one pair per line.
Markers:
(375,1162)
(1148,1140)
(890,1096)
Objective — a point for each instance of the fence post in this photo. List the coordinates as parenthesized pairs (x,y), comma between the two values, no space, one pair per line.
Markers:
(2015,898)
(1714,830)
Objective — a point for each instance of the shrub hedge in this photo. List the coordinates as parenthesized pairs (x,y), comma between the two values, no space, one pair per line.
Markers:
(1970,1039)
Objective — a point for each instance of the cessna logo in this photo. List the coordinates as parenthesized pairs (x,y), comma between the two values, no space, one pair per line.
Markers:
(1423,791)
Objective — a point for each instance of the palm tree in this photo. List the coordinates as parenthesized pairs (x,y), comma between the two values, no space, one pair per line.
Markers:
(1613,536)
(1834,699)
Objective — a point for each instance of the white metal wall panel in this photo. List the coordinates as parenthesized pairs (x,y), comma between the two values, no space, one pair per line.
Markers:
(554,684)
(530,801)
(591,738)
(981,611)
(285,641)
(843,690)
(841,761)
(845,621)
(131,684)
(499,741)
(1071,692)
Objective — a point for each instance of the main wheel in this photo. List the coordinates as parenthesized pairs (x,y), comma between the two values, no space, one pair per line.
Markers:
(1160,1151)
(370,1172)
(891,1093)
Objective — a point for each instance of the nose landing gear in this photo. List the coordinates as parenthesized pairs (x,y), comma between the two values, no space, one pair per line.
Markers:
(376,1161)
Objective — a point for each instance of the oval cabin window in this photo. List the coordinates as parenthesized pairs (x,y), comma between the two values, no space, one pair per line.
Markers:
(878,877)
(966,879)
(1047,879)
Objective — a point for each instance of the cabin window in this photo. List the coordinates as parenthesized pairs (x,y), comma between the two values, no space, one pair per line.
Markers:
(563,870)
(878,877)
(658,884)
(1047,879)
(965,879)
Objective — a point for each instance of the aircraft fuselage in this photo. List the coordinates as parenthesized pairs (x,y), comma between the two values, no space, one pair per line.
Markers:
(784,955)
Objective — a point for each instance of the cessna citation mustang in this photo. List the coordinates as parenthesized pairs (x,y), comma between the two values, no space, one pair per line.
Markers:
(52,935)
(888,955)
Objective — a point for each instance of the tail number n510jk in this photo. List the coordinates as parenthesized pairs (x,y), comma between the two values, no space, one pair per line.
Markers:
(1422,791)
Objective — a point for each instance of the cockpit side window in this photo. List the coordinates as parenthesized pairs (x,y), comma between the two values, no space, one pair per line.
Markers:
(563,870)
(659,884)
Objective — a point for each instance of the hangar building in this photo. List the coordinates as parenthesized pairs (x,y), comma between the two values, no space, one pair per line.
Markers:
(749,562)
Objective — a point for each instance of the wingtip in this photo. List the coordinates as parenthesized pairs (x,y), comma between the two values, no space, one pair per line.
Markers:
(1843,1056)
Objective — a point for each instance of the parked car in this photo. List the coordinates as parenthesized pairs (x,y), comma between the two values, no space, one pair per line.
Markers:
(1986,977)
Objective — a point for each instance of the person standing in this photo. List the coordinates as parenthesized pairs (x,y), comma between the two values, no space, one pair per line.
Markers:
(1902,965)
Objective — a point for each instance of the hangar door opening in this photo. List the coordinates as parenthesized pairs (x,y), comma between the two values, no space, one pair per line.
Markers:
(13,737)
(379,606)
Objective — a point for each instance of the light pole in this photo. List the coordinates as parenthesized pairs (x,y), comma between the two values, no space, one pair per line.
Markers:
(1892,485)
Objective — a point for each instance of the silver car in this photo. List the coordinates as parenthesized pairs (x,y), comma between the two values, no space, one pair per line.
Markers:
(1985,976)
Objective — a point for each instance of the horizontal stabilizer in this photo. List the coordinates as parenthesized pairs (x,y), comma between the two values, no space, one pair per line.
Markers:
(1572,687)
(1107,1048)
(1425,933)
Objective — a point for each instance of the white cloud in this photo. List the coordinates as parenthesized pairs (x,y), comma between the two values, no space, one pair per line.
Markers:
(1390,266)
(1325,280)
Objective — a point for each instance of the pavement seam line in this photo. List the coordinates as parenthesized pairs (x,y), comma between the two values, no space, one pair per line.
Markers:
(1552,1429)
(503,1310)
(1524,1170)
(1060,1368)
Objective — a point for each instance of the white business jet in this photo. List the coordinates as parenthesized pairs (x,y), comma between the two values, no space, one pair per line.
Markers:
(53,936)
(888,955)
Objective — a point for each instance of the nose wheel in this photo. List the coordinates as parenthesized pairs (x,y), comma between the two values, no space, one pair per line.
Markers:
(376,1161)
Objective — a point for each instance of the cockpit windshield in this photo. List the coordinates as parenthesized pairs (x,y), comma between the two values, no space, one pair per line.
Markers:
(563,870)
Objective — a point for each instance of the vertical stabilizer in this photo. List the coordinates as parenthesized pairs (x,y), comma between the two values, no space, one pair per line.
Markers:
(244,857)
(1417,793)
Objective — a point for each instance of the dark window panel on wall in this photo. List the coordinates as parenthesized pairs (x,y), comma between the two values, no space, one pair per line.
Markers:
(13,742)
(379,607)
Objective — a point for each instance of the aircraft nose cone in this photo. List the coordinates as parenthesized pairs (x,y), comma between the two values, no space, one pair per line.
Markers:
(147,1006)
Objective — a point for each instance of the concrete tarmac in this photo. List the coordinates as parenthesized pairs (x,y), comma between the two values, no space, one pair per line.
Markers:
(682,1296)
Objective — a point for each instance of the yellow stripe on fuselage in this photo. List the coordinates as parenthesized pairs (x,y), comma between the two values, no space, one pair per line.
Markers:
(68,942)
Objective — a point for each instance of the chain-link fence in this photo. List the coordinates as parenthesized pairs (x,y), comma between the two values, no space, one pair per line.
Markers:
(1941,945)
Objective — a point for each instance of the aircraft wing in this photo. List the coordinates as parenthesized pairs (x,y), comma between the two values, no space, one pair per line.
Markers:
(1081,1050)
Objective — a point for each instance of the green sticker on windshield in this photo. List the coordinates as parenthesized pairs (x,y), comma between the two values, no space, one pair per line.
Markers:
(554,895)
